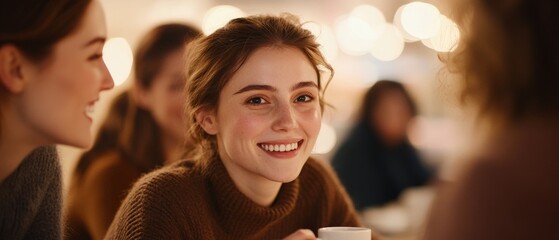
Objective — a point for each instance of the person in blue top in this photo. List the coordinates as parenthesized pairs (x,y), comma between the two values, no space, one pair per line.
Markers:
(376,162)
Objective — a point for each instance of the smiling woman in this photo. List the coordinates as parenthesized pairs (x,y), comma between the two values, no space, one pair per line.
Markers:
(144,130)
(51,73)
(254,102)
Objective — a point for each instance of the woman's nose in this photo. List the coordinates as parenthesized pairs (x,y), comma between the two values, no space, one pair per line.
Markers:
(107,81)
(285,118)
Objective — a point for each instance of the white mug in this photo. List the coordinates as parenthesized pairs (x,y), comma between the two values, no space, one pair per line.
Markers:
(344,233)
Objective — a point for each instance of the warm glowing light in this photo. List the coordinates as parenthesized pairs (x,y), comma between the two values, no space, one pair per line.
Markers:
(326,38)
(119,58)
(326,139)
(389,45)
(398,24)
(218,16)
(446,39)
(356,32)
(373,17)
(421,20)
(353,35)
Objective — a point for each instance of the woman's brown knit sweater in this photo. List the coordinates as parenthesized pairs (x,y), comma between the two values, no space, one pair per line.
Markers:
(188,201)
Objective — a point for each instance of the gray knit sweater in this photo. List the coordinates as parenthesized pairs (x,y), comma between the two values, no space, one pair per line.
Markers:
(30,198)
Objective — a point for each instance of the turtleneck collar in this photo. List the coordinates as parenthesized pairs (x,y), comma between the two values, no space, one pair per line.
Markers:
(234,209)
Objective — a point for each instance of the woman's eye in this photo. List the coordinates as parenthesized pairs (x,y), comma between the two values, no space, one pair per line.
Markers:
(304,98)
(95,56)
(256,101)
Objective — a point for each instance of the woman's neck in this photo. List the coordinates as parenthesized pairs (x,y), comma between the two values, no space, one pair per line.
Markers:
(17,140)
(258,189)
(13,150)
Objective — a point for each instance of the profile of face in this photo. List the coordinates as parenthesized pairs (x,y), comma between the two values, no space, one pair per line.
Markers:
(58,96)
(268,116)
(391,116)
(165,97)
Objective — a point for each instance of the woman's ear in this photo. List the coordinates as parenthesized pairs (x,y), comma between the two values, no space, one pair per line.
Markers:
(11,72)
(207,120)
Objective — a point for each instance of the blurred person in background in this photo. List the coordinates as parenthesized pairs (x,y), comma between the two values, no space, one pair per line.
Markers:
(508,64)
(51,74)
(254,103)
(144,129)
(377,162)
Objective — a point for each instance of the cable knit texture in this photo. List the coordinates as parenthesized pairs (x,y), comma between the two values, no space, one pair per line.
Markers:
(188,201)
(30,198)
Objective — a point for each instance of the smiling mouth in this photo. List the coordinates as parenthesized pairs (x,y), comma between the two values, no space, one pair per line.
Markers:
(89,111)
(287,147)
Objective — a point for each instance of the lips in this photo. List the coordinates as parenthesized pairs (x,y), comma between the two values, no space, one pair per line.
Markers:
(280,147)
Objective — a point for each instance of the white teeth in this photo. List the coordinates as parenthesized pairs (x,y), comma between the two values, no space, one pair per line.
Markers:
(89,110)
(280,147)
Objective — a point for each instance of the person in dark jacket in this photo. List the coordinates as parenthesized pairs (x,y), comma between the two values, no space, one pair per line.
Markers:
(377,162)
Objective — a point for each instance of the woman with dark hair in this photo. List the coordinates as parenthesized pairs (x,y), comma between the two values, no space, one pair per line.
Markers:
(254,106)
(144,130)
(51,74)
(376,162)
(507,65)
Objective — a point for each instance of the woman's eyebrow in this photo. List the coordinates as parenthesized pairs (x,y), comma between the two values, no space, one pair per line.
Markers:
(273,89)
(304,84)
(256,87)
(95,40)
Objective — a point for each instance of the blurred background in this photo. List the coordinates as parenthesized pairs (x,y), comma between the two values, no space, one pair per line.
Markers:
(364,40)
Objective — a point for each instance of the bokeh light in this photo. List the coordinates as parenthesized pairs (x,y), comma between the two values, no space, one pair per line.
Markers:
(398,24)
(118,57)
(389,45)
(357,31)
(373,17)
(326,139)
(326,38)
(353,35)
(421,20)
(216,17)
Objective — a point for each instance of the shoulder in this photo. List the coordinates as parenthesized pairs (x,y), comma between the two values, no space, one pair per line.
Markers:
(110,162)
(166,182)
(107,170)
(524,159)
(163,187)
(511,180)
(527,152)
(155,203)
(319,183)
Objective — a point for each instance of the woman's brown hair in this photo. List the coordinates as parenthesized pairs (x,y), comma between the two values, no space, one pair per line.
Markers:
(130,129)
(34,27)
(508,58)
(214,59)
